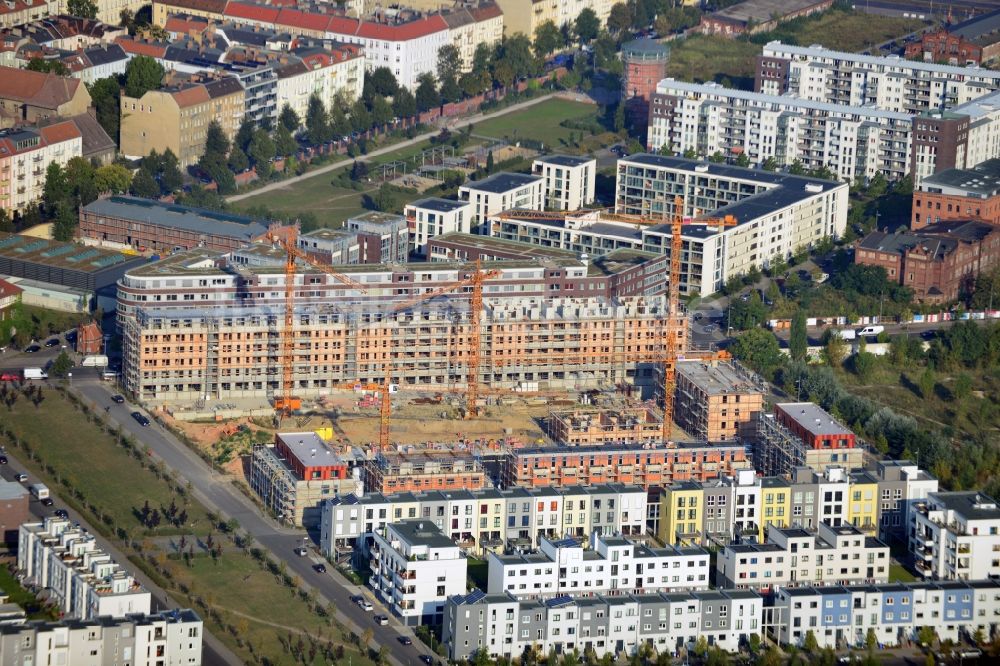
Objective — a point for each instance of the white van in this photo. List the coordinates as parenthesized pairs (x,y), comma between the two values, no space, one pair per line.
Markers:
(39,490)
(98,361)
(871,330)
(35,373)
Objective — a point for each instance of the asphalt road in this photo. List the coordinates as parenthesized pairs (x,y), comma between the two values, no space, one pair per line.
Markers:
(218,494)
(214,652)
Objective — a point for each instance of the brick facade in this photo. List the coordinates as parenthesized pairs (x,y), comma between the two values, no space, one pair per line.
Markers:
(943,47)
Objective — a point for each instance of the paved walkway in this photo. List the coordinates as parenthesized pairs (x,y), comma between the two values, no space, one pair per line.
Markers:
(451,125)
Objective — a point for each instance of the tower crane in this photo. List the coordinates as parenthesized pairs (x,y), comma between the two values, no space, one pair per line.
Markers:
(286,403)
(473,280)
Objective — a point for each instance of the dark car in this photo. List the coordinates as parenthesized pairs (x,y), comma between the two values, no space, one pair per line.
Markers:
(52,342)
(928,335)
(406,640)
(3,460)
(32,349)
(427,659)
(119,399)
(60,513)
(141,418)
(48,501)
(320,568)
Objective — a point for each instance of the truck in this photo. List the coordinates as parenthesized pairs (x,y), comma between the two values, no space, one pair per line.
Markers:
(845,333)
(39,490)
(35,373)
(871,330)
(97,361)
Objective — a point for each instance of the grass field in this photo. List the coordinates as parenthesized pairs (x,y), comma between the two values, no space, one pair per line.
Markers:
(331,204)
(899,574)
(703,58)
(243,602)
(20,596)
(540,122)
(845,31)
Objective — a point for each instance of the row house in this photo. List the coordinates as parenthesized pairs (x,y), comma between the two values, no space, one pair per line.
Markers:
(487,519)
(612,565)
(793,556)
(500,625)
(841,617)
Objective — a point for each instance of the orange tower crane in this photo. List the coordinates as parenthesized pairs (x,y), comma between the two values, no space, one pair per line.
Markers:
(385,403)
(474,281)
(286,403)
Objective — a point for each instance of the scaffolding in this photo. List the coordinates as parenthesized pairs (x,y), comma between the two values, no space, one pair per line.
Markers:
(776,450)
(273,482)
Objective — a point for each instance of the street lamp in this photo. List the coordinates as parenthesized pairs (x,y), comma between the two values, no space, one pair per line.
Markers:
(70,375)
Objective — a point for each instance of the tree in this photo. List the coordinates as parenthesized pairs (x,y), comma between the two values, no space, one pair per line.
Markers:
(482,58)
(834,348)
(261,152)
(926,384)
(587,25)
(926,636)
(383,81)
(404,104)
(142,75)
(620,117)
(449,63)
(864,364)
(361,119)
(339,125)
(105,94)
(809,643)
(742,160)
(48,66)
(284,142)
(385,198)
(143,185)
(798,338)
(216,143)
(450,91)
(112,178)
(80,178)
(620,18)
(381,112)
(871,641)
(717,157)
(547,39)
(82,8)
(490,166)
(317,121)
(427,96)
(238,162)
(244,135)
(288,118)
(770,164)
(759,349)
(962,388)
(61,365)
(171,177)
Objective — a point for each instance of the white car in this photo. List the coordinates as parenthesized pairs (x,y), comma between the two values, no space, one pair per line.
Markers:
(366,605)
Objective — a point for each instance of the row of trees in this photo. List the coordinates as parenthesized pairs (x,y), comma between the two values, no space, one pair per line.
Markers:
(77,184)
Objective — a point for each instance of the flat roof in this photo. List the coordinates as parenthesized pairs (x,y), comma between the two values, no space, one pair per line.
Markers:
(813,418)
(719,377)
(421,533)
(504,181)
(970,504)
(565,160)
(10,490)
(309,449)
(68,256)
(763,10)
(438,204)
(199,220)
(983,179)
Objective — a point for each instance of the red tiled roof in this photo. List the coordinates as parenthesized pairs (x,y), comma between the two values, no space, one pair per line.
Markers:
(486,11)
(208,6)
(300,19)
(19,6)
(185,25)
(8,289)
(191,96)
(243,10)
(404,31)
(35,88)
(343,25)
(59,132)
(136,47)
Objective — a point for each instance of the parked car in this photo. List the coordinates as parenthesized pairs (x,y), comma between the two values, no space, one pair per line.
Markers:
(427,659)
(381,620)
(32,349)
(22,477)
(60,513)
(9,377)
(320,568)
(48,501)
(118,399)
(141,418)
(301,552)
(366,605)
(406,640)
(52,342)
(3,460)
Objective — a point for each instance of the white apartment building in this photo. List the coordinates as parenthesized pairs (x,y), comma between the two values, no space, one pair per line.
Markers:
(502,625)
(169,637)
(569,180)
(793,556)
(472,24)
(325,73)
(503,191)
(901,484)
(78,576)
(493,518)
(956,536)
(434,216)
(851,141)
(415,568)
(610,566)
(841,617)
(889,82)
(25,156)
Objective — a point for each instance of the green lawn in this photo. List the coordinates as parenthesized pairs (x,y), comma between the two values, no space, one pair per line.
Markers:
(703,58)
(478,572)
(20,596)
(331,204)
(899,574)
(88,459)
(238,597)
(844,30)
(539,122)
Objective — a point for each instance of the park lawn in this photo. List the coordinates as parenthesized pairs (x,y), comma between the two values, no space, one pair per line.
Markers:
(331,204)
(539,122)
(703,58)
(87,457)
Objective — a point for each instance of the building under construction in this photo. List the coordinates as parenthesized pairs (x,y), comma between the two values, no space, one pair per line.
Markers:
(717,400)
(423,471)
(803,434)
(199,327)
(590,427)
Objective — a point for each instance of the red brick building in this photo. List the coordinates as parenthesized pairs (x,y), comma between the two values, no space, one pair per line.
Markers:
(756,16)
(10,295)
(814,426)
(14,500)
(941,46)
(645,63)
(89,339)
(939,263)
(958,194)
